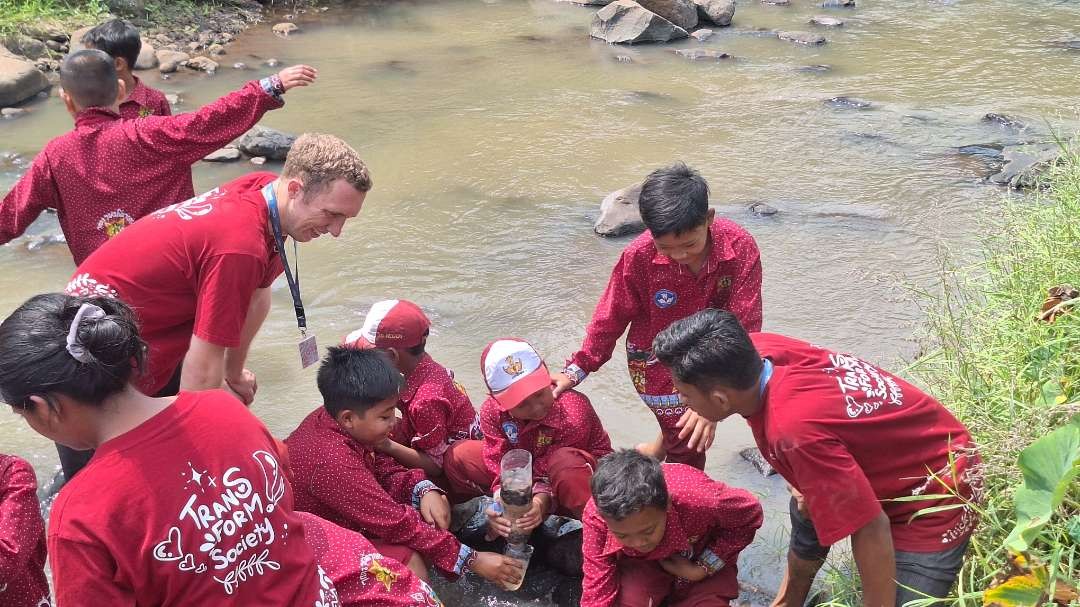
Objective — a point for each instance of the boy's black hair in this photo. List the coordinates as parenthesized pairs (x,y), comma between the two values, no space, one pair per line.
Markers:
(89,77)
(35,361)
(708,348)
(674,200)
(117,38)
(357,380)
(626,482)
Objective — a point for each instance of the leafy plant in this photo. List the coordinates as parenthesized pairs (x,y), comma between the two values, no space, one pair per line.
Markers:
(1050,465)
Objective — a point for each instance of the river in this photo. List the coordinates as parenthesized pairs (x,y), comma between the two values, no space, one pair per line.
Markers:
(493,129)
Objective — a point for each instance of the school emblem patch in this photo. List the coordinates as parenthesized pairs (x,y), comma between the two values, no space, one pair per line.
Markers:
(543,440)
(145,111)
(112,222)
(665,298)
(510,429)
(724,283)
(382,574)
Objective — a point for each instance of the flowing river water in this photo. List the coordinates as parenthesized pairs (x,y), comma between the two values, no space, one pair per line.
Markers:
(493,129)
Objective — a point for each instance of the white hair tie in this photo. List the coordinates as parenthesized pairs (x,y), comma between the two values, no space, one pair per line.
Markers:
(75,347)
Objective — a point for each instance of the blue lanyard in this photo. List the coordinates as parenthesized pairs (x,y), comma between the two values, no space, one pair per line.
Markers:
(294,283)
(766,375)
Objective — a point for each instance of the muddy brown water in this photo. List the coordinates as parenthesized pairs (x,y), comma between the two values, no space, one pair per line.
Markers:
(494,128)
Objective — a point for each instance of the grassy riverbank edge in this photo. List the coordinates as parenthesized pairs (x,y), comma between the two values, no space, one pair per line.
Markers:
(23,16)
(1010,377)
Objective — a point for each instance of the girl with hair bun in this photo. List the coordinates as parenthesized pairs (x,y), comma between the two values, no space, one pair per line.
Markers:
(185,501)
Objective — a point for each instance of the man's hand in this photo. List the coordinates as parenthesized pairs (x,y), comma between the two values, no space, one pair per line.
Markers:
(297,75)
(682,567)
(563,382)
(537,512)
(244,387)
(435,509)
(700,430)
(498,569)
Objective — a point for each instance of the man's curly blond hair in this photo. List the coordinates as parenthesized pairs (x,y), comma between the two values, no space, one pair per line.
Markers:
(319,159)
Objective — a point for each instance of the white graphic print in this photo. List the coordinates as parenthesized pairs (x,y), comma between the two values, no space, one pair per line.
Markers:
(192,207)
(328,596)
(232,517)
(969,486)
(864,387)
(83,285)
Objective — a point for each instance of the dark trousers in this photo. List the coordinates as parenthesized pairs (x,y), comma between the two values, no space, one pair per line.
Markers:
(71,461)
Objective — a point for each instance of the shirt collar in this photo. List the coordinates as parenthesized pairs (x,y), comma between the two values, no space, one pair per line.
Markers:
(94,116)
(717,254)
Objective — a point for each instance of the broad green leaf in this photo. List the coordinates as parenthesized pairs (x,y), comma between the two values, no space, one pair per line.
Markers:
(1074,528)
(1017,591)
(1049,465)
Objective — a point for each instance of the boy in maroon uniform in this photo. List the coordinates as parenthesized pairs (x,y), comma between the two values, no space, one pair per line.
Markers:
(342,478)
(564,435)
(109,172)
(687,261)
(656,533)
(120,40)
(438,421)
(850,438)
(22,537)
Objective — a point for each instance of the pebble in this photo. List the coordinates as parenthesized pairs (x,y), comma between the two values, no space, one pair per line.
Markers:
(12,112)
(702,35)
(624,59)
(702,54)
(172,98)
(271,63)
(826,21)
(239,66)
(258,160)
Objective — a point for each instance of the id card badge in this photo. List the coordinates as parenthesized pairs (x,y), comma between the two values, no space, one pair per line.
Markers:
(309,352)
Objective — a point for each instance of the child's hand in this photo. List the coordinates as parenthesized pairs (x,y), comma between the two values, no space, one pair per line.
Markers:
(435,509)
(682,567)
(700,430)
(297,75)
(244,387)
(498,569)
(536,514)
(562,382)
(498,525)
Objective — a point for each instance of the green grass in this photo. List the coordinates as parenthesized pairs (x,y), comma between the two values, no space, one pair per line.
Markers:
(17,14)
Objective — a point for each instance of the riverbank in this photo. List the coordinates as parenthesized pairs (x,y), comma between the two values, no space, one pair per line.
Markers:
(1012,375)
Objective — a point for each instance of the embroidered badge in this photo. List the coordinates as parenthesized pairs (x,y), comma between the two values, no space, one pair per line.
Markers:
(112,222)
(665,298)
(723,283)
(543,440)
(510,429)
(145,111)
(382,574)
(513,366)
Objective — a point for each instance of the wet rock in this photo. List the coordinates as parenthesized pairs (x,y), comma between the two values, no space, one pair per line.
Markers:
(169,61)
(285,29)
(203,64)
(682,13)
(40,241)
(697,54)
(47,31)
(147,56)
(619,213)
(624,58)
(194,46)
(21,44)
(1025,164)
(762,209)
(264,141)
(807,38)
(826,21)
(757,32)
(754,457)
(717,12)
(1004,121)
(56,47)
(589,2)
(258,160)
(225,154)
(776,2)
(848,103)
(19,80)
(216,50)
(49,65)
(172,98)
(12,112)
(701,35)
(838,4)
(986,150)
(627,22)
(271,63)
(820,68)
(239,66)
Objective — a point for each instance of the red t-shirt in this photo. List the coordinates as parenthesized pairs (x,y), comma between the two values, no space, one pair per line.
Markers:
(435,411)
(22,537)
(189,508)
(190,268)
(850,435)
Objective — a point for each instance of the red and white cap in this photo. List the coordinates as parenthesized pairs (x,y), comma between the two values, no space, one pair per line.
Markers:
(513,371)
(391,323)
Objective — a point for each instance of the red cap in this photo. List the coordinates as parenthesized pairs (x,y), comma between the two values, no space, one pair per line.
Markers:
(392,323)
(513,371)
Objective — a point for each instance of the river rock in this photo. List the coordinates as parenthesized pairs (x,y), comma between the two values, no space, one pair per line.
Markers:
(170,61)
(838,4)
(40,241)
(46,31)
(820,68)
(589,2)
(762,209)
(701,35)
(271,63)
(258,160)
(216,50)
(826,21)
(225,154)
(754,457)
(56,47)
(776,2)
(203,64)
(239,65)
(697,54)
(1005,121)
(619,214)
(19,80)
(24,45)
(717,12)
(285,29)
(848,103)
(807,38)
(682,13)
(147,56)
(1025,164)
(270,143)
(12,112)
(172,98)
(627,22)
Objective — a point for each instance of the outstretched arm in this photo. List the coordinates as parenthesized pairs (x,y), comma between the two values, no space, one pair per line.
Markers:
(34,192)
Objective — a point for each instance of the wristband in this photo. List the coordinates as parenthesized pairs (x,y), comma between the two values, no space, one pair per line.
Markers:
(575,373)
(421,489)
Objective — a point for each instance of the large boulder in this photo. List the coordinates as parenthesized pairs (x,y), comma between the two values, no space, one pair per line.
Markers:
(169,61)
(1025,164)
(19,80)
(203,64)
(267,143)
(682,13)
(627,22)
(24,45)
(619,213)
(717,12)
(147,56)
